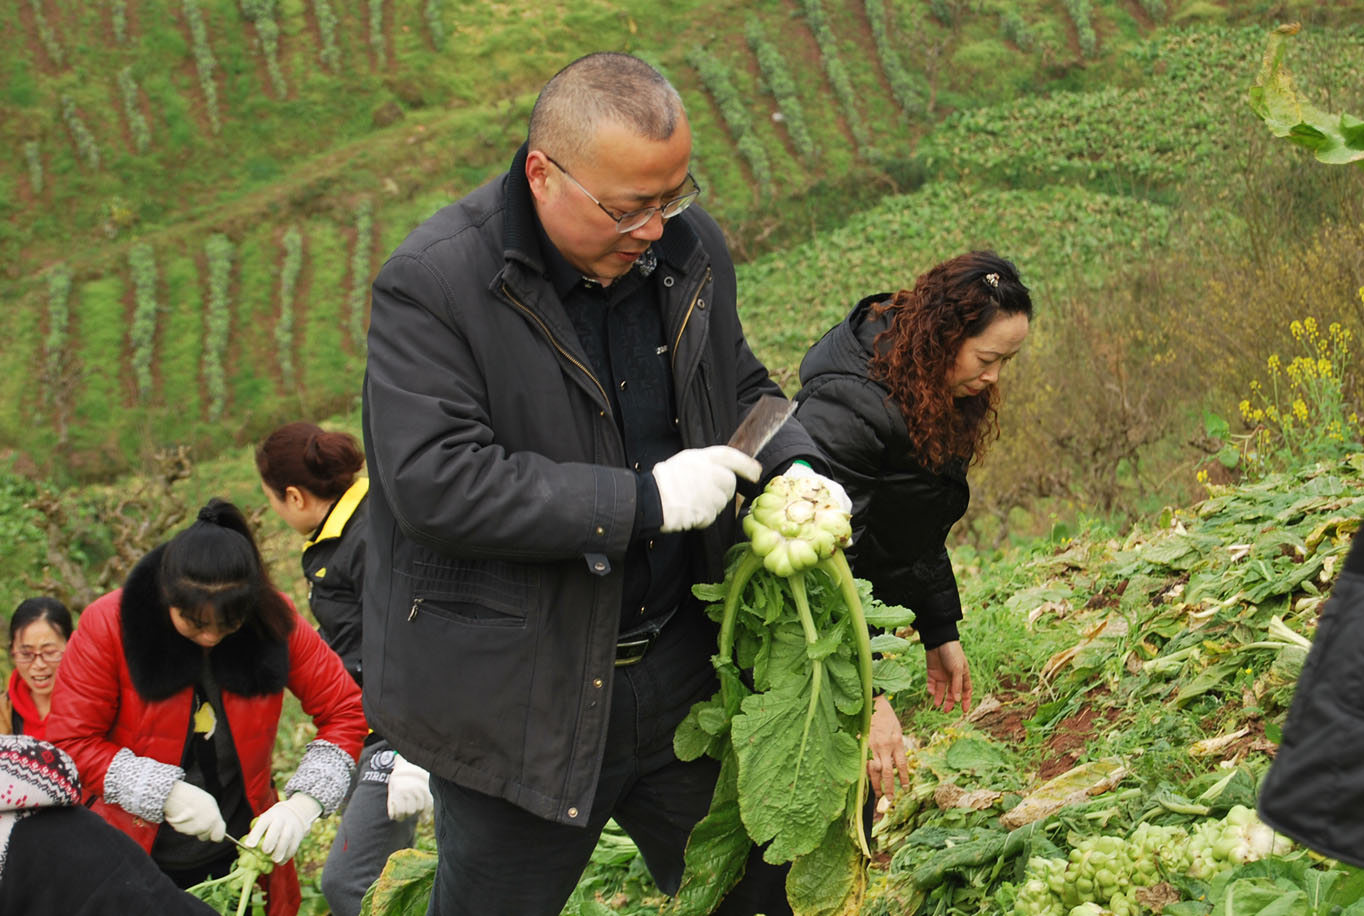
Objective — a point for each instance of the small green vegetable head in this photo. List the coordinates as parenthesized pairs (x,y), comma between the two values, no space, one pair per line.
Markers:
(795,523)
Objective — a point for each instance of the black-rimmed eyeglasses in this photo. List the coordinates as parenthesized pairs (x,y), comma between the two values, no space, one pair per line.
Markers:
(629,222)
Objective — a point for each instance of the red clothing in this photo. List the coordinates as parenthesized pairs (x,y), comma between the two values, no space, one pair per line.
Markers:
(21,699)
(96,710)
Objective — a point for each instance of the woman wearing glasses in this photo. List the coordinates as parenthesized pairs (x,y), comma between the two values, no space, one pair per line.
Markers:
(38,632)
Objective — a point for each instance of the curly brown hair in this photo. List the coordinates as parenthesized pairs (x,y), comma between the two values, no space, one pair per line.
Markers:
(952,301)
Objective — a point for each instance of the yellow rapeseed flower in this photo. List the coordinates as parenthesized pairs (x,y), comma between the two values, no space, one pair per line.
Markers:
(1274,364)
(1300,409)
(1311,326)
(1324,368)
(1203,476)
(1245,409)
(1272,412)
(1296,328)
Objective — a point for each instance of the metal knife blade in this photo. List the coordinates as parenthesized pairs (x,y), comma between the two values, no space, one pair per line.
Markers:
(761,424)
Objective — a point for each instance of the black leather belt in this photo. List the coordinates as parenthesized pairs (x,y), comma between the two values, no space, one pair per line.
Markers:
(631,650)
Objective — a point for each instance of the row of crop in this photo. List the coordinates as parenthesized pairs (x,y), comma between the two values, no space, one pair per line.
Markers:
(217,321)
(142,335)
(376,32)
(1015,28)
(359,270)
(772,65)
(911,96)
(47,35)
(1079,12)
(33,155)
(733,112)
(58,326)
(132,110)
(836,71)
(118,14)
(204,61)
(327,21)
(86,147)
(288,282)
(261,14)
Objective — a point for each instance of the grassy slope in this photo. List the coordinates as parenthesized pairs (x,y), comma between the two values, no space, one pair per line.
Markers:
(306,149)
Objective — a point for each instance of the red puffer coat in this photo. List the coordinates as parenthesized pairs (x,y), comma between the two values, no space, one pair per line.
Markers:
(127,681)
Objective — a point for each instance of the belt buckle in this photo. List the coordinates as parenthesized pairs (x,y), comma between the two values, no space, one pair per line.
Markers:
(631,651)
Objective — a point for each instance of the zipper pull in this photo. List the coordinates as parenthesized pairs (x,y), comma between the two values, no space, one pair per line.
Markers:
(416,605)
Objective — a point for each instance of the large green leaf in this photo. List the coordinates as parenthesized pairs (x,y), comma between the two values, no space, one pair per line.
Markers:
(403,888)
(717,851)
(828,880)
(1335,139)
(794,770)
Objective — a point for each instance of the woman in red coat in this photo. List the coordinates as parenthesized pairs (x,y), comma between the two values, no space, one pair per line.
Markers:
(169,701)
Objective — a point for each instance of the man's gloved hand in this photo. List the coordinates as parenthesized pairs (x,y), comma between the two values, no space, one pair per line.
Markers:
(696,484)
(194,812)
(279,831)
(409,790)
(836,491)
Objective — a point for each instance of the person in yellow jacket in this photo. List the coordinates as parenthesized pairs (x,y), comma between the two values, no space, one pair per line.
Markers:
(311,478)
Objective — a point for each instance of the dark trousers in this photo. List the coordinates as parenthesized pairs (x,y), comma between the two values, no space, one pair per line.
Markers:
(496,859)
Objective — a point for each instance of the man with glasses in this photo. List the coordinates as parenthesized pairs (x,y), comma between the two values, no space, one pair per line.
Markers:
(553,364)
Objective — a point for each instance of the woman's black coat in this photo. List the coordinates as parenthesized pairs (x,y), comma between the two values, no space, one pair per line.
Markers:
(902,511)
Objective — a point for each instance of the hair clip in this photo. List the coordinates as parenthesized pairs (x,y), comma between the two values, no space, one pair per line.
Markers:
(993,280)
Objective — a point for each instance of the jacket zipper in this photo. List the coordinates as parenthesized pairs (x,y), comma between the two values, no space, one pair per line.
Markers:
(554,341)
(686,317)
(416,606)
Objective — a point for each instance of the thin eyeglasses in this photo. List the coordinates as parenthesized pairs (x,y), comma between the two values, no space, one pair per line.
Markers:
(629,222)
(51,656)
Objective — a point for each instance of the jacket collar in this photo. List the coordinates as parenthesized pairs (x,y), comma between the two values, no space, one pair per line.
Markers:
(161,662)
(522,233)
(340,513)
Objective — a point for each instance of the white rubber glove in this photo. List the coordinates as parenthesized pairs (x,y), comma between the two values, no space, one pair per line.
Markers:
(409,790)
(192,811)
(836,491)
(279,831)
(696,484)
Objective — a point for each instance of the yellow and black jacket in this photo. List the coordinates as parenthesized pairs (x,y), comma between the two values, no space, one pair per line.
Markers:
(334,565)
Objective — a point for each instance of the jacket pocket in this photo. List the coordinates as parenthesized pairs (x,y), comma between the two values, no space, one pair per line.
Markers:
(484,593)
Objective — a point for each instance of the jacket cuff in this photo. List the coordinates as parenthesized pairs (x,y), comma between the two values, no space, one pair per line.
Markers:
(937,633)
(140,785)
(648,505)
(324,773)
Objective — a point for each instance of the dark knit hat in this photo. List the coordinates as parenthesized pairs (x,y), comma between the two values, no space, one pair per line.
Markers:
(33,775)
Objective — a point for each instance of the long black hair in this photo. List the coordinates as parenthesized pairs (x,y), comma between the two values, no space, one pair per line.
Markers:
(212,572)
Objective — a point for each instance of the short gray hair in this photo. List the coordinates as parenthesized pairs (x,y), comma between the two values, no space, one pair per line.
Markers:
(601,87)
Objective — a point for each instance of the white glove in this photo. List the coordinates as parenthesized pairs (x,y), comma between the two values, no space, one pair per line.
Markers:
(409,790)
(192,811)
(279,831)
(836,491)
(696,484)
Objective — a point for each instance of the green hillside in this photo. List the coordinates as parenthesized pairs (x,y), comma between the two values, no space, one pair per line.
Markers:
(198,192)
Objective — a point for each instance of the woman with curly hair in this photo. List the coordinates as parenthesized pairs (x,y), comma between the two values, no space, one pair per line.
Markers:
(901,396)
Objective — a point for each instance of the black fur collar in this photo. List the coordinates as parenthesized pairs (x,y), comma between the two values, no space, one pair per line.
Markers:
(162,662)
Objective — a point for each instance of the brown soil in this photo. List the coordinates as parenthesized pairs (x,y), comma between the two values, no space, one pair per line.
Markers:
(1006,724)
(800,42)
(45,64)
(1068,739)
(1134,9)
